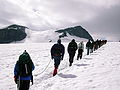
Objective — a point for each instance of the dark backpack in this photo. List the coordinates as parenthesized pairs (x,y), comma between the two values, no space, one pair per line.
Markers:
(88,44)
(57,50)
(25,65)
(72,46)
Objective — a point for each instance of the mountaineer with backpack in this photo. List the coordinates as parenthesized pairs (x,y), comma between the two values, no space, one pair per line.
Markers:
(80,50)
(88,46)
(72,47)
(23,71)
(57,53)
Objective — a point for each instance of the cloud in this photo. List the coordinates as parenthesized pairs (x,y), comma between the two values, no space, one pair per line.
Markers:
(106,23)
(100,16)
(102,3)
(18,13)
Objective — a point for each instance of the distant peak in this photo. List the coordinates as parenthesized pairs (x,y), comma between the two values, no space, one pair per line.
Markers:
(15,25)
(77,31)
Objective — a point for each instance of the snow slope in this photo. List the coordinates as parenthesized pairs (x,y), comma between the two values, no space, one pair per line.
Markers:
(46,36)
(98,71)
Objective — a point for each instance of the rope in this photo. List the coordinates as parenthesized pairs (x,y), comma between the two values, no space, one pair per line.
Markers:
(44,69)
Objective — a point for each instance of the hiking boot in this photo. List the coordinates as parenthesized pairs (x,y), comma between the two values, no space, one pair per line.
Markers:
(55,72)
(70,64)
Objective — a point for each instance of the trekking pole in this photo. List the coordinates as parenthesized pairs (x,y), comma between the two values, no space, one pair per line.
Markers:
(32,79)
(18,84)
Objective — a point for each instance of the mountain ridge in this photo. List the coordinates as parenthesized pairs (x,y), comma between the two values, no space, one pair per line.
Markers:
(75,31)
(12,33)
(22,34)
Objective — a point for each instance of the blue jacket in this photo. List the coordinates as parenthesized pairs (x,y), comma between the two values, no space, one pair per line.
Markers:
(16,71)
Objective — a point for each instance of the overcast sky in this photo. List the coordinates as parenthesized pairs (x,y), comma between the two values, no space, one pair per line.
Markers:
(101,18)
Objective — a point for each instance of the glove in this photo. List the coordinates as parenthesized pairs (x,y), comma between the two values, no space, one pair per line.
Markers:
(61,58)
(15,79)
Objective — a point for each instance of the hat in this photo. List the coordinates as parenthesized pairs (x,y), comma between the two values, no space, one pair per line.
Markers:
(73,40)
(59,41)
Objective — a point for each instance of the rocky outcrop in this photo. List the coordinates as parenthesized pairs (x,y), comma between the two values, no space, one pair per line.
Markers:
(75,31)
(12,33)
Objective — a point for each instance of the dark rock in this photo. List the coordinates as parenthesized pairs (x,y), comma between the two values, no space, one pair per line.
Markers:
(75,31)
(12,33)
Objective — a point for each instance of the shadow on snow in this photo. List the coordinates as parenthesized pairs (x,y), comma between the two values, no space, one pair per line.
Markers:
(67,75)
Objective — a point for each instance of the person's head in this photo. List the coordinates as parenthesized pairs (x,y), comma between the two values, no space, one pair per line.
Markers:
(24,52)
(59,41)
(81,42)
(73,40)
(24,57)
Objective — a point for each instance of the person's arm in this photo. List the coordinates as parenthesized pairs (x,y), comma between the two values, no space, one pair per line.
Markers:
(76,46)
(52,51)
(68,47)
(33,66)
(16,73)
(63,52)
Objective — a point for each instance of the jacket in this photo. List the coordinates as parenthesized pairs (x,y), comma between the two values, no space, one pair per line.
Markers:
(57,50)
(16,72)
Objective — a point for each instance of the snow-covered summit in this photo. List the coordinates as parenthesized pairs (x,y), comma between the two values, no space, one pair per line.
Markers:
(48,36)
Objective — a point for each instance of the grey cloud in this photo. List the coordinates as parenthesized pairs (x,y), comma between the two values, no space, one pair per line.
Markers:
(69,12)
(10,12)
(52,14)
(107,23)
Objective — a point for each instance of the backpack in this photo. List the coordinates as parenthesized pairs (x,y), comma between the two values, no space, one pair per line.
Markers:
(57,50)
(88,44)
(72,46)
(25,65)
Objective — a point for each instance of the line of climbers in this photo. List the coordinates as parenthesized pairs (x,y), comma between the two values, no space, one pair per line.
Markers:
(24,66)
(94,45)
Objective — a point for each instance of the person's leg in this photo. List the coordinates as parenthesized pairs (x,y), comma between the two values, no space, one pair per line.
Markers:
(88,51)
(27,84)
(72,54)
(70,59)
(78,54)
(56,64)
(24,84)
(21,85)
(81,55)
(81,52)
(56,61)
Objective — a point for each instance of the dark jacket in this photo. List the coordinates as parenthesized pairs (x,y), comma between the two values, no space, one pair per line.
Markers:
(88,44)
(17,69)
(72,46)
(57,50)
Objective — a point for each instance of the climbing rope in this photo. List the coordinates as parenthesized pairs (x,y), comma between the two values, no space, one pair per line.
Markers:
(44,69)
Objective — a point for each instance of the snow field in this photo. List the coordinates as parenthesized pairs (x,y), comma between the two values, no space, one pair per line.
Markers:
(98,71)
